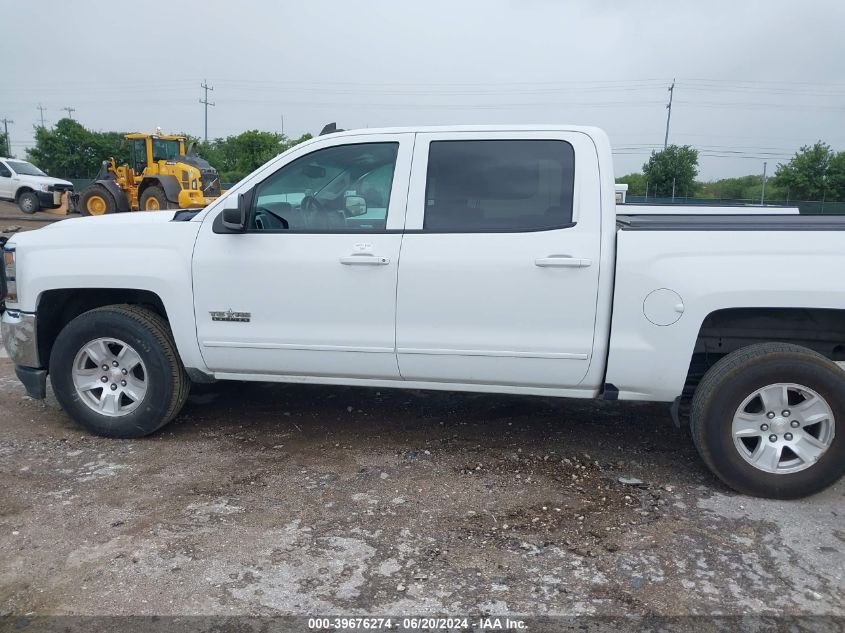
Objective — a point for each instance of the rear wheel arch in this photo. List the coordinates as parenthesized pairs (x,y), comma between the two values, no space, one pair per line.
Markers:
(727,330)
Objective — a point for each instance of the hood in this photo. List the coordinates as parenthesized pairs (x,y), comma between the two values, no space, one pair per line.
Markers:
(42,180)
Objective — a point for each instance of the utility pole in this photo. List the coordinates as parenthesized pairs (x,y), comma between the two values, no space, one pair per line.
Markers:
(673,190)
(70,112)
(669,113)
(42,108)
(763,192)
(6,128)
(283,125)
(206,103)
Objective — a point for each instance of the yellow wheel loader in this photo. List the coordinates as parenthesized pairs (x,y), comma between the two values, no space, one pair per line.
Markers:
(160,175)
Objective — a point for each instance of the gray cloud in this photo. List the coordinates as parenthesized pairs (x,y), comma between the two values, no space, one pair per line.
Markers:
(755,80)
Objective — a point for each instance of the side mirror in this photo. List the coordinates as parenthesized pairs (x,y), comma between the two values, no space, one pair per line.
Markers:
(355,205)
(234,218)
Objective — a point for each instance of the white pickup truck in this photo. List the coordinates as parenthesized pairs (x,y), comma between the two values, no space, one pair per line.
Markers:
(485,259)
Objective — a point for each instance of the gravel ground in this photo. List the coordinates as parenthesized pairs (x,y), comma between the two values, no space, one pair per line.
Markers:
(12,219)
(274,499)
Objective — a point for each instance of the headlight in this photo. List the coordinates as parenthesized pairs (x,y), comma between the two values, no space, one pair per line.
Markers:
(45,187)
(9,272)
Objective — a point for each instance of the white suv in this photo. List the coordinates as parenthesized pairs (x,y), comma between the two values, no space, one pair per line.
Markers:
(30,187)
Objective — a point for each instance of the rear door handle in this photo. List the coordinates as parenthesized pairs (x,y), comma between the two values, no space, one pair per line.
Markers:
(365,260)
(562,261)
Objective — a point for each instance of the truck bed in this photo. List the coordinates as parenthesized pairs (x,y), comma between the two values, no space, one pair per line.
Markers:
(684,222)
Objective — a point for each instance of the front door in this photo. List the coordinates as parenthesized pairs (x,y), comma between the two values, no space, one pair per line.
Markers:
(310,288)
(5,181)
(499,273)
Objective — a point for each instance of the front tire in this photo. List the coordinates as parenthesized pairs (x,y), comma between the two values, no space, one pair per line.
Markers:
(764,420)
(96,200)
(154,199)
(115,370)
(28,202)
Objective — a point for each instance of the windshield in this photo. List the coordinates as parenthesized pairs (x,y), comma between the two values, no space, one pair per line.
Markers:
(24,168)
(165,150)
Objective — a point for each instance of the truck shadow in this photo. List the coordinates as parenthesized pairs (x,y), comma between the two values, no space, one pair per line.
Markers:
(630,440)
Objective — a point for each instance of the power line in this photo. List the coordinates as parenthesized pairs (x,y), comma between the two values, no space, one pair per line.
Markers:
(206,103)
(41,108)
(69,111)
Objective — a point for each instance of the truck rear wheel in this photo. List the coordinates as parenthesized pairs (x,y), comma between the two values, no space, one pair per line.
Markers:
(96,200)
(153,199)
(115,370)
(28,202)
(764,420)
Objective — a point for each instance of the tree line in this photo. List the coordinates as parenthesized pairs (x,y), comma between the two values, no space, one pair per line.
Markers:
(69,150)
(815,172)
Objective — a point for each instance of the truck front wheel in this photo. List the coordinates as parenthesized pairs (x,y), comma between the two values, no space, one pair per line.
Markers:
(28,202)
(764,419)
(116,371)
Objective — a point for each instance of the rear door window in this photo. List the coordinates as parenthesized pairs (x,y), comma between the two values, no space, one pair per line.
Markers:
(499,186)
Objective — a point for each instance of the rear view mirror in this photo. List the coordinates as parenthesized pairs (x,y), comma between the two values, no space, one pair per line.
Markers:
(314,171)
(355,205)
(234,219)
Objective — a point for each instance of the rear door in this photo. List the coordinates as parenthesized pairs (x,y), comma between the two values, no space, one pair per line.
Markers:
(498,276)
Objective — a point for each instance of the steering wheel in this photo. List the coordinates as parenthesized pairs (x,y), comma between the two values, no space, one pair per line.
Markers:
(283,221)
(310,203)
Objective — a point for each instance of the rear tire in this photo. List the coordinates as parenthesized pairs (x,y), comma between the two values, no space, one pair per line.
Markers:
(133,336)
(764,419)
(154,199)
(96,200)
(28,202)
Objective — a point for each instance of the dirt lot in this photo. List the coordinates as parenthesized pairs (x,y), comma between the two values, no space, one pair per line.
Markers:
(12,219)
(267,499)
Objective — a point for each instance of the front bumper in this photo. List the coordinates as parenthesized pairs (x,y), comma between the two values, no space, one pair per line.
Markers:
(20,338)
(50,199)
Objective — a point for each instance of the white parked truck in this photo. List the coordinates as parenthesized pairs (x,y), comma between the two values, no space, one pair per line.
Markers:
(486,259)
(29,187)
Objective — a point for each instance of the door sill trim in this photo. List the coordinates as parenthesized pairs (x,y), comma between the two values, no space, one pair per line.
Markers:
(585,392)
(492,353)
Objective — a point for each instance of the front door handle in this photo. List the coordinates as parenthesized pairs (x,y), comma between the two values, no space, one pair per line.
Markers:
(364,260)
(562,261)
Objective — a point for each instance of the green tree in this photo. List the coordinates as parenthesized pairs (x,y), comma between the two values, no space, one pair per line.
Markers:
(236,156)
(70,150)
(4,151)
(678,163)
(635,182)
(836,177)
(805,176)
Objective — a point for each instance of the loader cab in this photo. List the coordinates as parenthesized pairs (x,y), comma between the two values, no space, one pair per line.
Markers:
(138,159)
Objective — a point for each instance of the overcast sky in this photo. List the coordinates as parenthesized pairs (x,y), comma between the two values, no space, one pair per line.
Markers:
(755,79)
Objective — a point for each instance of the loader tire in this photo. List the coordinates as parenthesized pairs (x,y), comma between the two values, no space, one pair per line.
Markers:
(96,200)
(153,199)
(115,370)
